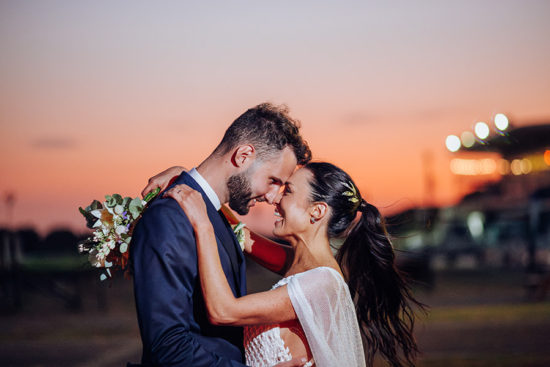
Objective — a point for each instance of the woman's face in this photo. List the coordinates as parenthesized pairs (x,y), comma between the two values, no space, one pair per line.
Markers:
(293,205)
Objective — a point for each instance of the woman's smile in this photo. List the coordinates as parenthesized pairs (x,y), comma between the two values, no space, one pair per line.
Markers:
(279,219)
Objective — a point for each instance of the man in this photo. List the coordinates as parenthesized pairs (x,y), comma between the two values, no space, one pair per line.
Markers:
(257,154)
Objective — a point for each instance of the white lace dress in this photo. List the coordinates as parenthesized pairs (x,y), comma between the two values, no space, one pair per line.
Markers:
(326,315)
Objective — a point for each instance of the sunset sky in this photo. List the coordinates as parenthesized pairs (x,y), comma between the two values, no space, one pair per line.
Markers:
(96,96)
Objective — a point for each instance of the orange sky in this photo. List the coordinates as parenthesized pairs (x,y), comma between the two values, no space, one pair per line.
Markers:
(94,98)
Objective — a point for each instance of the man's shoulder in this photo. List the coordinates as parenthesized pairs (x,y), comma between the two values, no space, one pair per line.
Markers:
(161,214)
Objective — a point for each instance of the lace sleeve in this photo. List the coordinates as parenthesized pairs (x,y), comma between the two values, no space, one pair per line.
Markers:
(326,312)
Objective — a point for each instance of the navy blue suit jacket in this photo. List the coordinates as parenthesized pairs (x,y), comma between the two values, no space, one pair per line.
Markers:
(171,312)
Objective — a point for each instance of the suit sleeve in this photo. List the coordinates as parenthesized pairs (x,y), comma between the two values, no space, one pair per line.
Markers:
(164,264)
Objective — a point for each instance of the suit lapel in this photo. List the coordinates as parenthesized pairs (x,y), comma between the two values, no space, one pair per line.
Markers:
(227,241)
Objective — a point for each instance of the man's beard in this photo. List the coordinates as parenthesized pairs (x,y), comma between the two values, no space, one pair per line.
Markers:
(240,193)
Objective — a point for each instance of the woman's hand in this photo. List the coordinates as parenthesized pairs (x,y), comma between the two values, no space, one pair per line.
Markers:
(192,203)
(162,179)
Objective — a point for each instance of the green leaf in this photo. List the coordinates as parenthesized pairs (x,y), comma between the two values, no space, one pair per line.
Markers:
(135,208)
(110,201)
(95,205)
(126,201)
(118,198)
(90,219)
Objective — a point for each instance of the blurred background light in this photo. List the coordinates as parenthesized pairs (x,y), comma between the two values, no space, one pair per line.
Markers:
(488,166)
(515,167)
(453,143)
(503,167)
(482,130)
(526,166)
(475,223)
(473,167)
(468,139)
(501,121)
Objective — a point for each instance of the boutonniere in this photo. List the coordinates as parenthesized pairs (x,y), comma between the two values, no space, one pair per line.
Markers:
(238,229)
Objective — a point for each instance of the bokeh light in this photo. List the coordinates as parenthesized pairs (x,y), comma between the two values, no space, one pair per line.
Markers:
(515,167)
(526,166)
(475,222)
(501,121)
(482,130)
(473,167)
(503,167)
(468,139)
(453,143)
(547,157)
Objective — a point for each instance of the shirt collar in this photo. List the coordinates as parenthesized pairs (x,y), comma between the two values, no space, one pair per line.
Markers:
(205,186)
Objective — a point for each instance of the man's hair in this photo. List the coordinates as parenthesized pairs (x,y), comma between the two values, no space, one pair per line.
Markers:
(269,129)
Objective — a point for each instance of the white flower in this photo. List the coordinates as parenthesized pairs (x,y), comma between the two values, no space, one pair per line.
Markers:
(110,210)
(105,250)
(96,258)
(239,233)
(119,209)
(121,229)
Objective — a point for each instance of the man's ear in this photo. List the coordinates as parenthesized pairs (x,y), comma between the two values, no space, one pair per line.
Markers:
(243,156)
(318,210)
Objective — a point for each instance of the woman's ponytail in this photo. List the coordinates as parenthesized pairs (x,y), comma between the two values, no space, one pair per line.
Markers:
(383,299)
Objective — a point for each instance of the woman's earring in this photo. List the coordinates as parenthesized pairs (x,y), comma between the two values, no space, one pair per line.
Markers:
(312,220)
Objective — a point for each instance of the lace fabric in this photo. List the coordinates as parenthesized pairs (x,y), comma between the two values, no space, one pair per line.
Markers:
(264,346)
(326,313)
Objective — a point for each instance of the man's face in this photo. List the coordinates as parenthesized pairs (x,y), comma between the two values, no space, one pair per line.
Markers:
(261,182)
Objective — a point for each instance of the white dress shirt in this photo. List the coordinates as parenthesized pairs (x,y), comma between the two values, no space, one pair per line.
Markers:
(205,186)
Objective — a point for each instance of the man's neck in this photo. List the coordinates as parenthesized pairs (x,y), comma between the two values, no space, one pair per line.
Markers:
(213,170)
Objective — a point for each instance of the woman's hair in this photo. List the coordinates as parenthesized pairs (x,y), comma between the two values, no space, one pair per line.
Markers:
(383,299)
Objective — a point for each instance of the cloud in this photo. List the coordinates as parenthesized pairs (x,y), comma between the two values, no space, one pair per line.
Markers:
(53,144)
(358,118)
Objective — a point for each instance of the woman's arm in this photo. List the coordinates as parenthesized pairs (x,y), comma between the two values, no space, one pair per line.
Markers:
(269,254)
(223,308)
(163,179)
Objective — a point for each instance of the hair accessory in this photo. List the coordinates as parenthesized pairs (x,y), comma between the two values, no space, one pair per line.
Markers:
(351,193)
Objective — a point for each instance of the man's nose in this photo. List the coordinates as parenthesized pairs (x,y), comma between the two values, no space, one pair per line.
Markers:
(277,199)
(272,195)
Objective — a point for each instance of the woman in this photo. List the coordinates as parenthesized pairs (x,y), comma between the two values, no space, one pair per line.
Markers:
(311,311)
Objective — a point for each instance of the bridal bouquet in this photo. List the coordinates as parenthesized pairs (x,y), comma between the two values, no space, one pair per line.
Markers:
(112,222)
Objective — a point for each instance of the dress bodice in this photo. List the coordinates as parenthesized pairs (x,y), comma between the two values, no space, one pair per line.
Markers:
(325,317)
(263,344)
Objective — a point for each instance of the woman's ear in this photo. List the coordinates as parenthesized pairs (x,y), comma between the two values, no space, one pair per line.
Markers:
(318,211)
(243,156)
